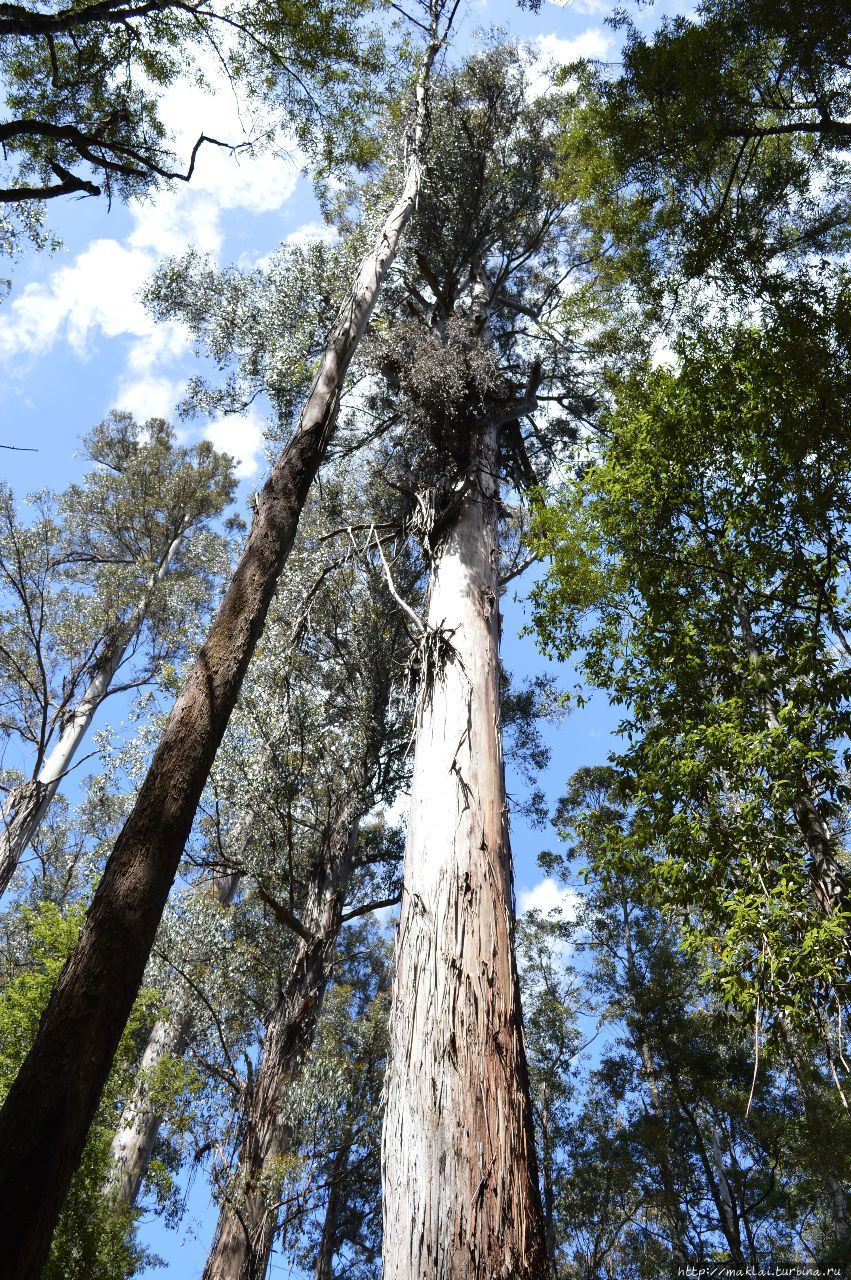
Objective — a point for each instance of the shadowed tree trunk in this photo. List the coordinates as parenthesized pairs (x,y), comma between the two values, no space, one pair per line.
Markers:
(460,1189)
(712,1162)
(249,1215)
(47,1114)
(28,804)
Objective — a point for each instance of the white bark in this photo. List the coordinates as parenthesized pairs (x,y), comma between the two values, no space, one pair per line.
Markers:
(94,997)
(29,803)
(725,1196)
(133,1144)
(460,1194)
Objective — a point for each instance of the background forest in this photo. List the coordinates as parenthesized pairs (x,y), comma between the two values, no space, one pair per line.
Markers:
(425,431)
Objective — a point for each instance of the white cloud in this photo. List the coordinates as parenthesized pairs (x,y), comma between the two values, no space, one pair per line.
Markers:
(312,231)
(601,7)
(595,42)
(552,51)
(97,292)
(149,397)
(97,295)
(550,898)
(240,435)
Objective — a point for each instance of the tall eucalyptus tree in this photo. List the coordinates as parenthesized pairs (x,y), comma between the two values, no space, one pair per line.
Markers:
(463,360)
(319,727)
(348,748)
(105,582)
(46,1114)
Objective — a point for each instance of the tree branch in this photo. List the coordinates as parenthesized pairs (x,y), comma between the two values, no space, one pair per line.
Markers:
(370,906)
(284,915)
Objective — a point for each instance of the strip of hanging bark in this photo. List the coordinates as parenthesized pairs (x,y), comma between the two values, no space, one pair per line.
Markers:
(47,1114)
(459,1172)
(249,1215)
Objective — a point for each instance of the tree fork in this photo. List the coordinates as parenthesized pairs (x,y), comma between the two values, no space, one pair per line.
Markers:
(48,1111)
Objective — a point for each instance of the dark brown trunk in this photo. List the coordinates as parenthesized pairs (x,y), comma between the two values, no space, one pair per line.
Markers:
(47,1114)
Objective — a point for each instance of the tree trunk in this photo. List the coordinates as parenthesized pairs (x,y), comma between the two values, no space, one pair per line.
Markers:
(673,1208)
(328,1243)
(810,1086)
(729,1216)
(140,1122)
(547,1181)
(133,1144)
(713,1169)
(249,1215)
(29,803)
(47,1114)
(460,1188)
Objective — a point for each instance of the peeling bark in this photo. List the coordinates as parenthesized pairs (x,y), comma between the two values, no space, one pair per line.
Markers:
(249,1215)
(29,803)
(48,1111)
(460,1188)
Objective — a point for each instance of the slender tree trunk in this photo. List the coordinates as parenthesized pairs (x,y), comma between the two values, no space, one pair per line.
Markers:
(838,1201)
(140,1122)
(548,1187)
(328,1243)
(810,1086)
(249,1215)
(460,1186)
(729,1216)
(673,1208)
(133,1144)
(716,1179)
(28,804)
(47,1114)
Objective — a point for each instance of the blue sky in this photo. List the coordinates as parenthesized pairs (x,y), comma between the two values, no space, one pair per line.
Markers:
(76,342)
